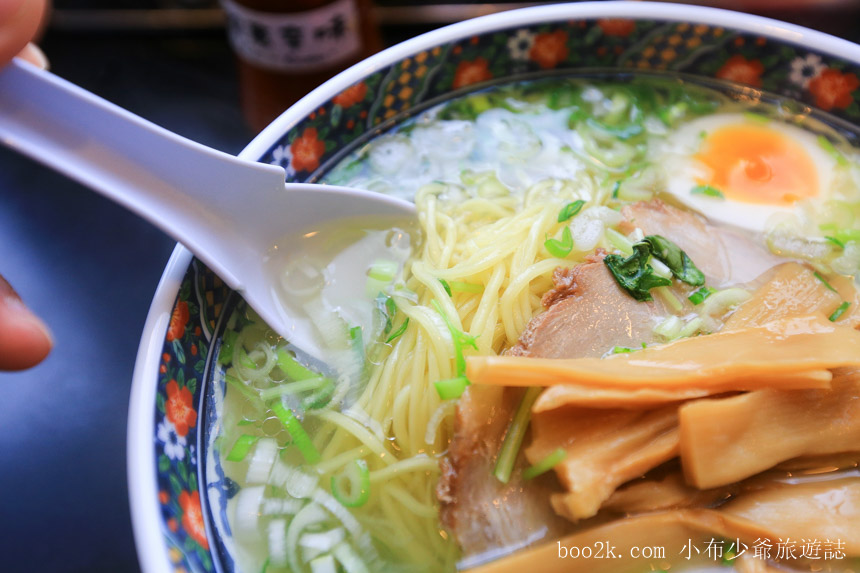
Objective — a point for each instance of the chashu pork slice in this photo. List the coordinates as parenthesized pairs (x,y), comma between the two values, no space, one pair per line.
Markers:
(586,315)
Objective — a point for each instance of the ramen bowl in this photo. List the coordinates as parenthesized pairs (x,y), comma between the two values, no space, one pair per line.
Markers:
(178,491)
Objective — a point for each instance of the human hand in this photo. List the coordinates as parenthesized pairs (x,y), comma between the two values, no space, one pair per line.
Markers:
(20,21)
(24,338)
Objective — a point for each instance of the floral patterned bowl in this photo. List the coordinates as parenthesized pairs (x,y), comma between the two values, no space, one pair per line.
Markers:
(166,429)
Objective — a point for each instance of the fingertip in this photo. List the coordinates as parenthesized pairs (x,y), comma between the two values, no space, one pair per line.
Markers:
(25,340)
(34,54)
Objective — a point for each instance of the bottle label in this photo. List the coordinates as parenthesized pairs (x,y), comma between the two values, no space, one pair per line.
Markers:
(295,42)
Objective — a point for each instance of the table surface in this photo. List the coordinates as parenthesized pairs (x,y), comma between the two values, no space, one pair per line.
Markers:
(90,268)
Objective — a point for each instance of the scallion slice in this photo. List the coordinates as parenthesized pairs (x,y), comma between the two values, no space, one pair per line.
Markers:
(515,435)
(824,281)
(545,464)
(400,330)
(446,286)
(452,387)
(562,248)
(839,311)
(570,210)
(240,449)
(700,295)
(707,191)
(383,270)
(292,367)
(351,487)
(459,339)
(835,241)
(828,146)
(298,434)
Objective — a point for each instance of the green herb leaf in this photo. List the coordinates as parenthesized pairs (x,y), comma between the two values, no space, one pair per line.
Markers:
(634,274)
(560,249)
(839,311)
(824,281)
(708,191)
(700,295)
(570,210)
(676,259)
(446,286)
(621,350)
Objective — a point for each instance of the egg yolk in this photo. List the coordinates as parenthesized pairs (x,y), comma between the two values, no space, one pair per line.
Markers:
(756,164)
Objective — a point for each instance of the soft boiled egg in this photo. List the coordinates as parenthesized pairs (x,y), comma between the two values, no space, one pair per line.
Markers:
(742,169)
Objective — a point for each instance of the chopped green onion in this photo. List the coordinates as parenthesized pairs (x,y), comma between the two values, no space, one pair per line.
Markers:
(398,332)
(451,388)
(293,368)
(560,249)
(323,564)
(460,286)
(352,486)
(459,339)
(248,392)
(570,210)
(545,464)
(846,235)
(241,448)
(622,350)
(515,435)
(388,308)
(319,397)
(228,342)
(383,270)
(835,241)
(298,434)
(294,387)
(828,146)
(446,286)
(824,281)
(839,311)
(700,295)
(708,191)
(669,299)
(619,241)
(615,189)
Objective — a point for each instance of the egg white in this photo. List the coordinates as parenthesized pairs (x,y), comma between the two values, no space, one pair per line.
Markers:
(684,171)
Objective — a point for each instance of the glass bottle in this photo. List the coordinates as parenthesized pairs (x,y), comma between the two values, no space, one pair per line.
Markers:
(286,48)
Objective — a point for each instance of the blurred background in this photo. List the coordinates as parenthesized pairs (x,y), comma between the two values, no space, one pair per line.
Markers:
(90,269)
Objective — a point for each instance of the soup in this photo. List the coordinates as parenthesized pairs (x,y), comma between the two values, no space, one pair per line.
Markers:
(566,355)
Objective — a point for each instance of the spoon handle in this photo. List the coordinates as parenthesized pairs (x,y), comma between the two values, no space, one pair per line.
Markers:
(175,183)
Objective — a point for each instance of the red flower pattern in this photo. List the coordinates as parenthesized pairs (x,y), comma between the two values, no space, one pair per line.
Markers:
(832,88)
(351,95)
(471,72)
(192,517)
(307,150)
(178,321)
(179,409)
(741,70)
(549,49)
(617,26)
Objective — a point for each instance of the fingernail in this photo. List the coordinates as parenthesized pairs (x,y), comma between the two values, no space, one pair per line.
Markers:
(16,310)
(34,54)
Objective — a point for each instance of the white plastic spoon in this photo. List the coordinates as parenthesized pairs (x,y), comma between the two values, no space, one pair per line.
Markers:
(227,211)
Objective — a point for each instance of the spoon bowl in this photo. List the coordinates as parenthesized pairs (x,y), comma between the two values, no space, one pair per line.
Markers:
(227,211)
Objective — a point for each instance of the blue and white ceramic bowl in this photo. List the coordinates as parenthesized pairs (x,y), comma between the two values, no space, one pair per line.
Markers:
(171,413)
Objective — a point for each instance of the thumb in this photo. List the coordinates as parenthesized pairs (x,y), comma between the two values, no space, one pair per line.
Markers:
(24,338)
(19,23)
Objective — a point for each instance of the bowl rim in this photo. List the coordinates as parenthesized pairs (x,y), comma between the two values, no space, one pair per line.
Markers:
(141,466)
